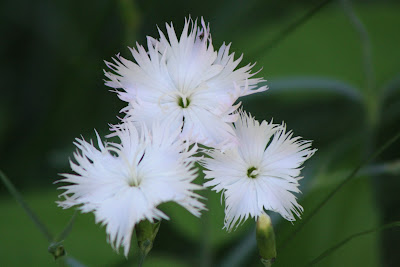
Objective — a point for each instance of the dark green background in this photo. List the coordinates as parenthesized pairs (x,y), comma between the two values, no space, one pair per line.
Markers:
(52,91)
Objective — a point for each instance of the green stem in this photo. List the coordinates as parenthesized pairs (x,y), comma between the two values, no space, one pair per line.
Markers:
(141,259)
(385,168)
(329,251)
(365,43)
(284,243)
(292,27)
(67,229)
(369,75)
(14,192)
(206,251)
(131,19)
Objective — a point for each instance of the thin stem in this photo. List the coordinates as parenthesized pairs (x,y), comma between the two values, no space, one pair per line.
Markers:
(14,192)
(292,27)
(371,97)
(284,243)
(206,252)
(67,228)
(141,259)
(385,168)
(131,18)
(72,262)
(365,42)
(329,251)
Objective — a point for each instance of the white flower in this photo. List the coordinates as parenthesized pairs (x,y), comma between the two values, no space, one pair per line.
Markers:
(123,184)
(260,173)
(184,80)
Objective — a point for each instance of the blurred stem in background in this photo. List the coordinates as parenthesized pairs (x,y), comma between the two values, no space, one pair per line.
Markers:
(374,103)
(205,245)
(291,28)
(329,251)
(56,247)
(372,95)
(31,214)
(353,174)
(131,20)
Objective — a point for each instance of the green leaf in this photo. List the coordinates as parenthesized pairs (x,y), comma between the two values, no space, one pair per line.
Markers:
(313,84)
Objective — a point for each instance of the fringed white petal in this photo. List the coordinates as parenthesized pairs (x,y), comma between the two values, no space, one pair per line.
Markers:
(260,173)
(123,183)
(185,68)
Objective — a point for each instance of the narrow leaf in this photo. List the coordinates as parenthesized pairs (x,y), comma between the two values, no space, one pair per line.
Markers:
(316,84)
(14,192)
(337,189)
(329,251)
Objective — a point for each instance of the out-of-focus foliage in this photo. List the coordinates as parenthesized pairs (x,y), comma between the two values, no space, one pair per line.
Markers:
(52,91)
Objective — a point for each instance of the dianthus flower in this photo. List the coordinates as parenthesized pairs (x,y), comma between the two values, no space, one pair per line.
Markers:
(261,173)
(123,183)
(184,81)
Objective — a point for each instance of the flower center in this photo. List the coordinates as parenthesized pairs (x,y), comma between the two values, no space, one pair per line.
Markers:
(183,102)
(133,182)
(135,179)
(252,172)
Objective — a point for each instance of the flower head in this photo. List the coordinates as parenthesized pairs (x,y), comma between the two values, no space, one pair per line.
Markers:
(184,80)
(124,183)
(260,173)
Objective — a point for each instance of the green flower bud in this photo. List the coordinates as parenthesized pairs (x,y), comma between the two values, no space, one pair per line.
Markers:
(266,240)
(57,250)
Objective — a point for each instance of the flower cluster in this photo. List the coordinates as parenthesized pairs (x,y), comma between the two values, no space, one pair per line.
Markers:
(181,92)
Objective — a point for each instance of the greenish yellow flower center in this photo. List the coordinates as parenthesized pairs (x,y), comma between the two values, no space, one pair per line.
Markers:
(252,172)
(183,102)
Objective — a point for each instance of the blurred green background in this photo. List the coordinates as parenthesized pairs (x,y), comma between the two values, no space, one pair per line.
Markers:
(334,79)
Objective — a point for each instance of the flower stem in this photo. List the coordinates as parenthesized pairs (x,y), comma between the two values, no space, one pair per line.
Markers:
(292,27)
(365,43)
(329,251)
(369,74)
(284,243)
(131,19)
(141,259)
(206,252)
(14,192)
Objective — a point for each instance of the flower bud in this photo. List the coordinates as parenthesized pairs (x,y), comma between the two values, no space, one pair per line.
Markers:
(265,239)
(57,250)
